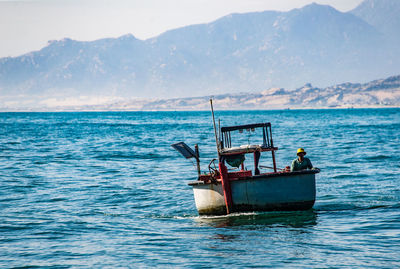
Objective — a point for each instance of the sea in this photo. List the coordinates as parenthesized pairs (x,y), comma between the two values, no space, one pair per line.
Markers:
(107,190)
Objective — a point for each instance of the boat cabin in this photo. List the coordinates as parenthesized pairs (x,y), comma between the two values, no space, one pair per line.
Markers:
(234,155)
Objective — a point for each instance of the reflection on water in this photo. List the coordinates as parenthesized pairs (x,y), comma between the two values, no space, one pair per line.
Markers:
(293,219)
(255,236)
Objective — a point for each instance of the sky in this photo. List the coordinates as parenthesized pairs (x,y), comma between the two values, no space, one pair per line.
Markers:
(28,25)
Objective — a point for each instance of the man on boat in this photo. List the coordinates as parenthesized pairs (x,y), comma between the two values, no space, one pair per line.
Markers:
(301,163)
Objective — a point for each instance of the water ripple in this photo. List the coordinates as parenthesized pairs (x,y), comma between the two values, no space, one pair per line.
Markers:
(107,190)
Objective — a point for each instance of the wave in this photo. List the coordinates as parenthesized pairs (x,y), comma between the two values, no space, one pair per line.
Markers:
(351,207)
(378,157)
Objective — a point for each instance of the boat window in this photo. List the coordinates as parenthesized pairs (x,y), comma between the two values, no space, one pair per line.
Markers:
(240,137)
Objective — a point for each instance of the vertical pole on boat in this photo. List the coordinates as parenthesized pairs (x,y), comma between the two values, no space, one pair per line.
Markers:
(215,128)
(219,132)
(273,151)
(273,160)
(196,149)
(226,187)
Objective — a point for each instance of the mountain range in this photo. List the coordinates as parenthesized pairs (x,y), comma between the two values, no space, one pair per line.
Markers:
(238,53)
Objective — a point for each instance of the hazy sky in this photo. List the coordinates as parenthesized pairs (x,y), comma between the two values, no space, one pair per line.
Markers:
(28,25)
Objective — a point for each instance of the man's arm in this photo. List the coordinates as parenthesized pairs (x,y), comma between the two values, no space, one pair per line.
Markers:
(309,164)
(292,167)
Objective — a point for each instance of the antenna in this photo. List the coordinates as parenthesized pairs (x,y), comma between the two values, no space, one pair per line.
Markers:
(215,128)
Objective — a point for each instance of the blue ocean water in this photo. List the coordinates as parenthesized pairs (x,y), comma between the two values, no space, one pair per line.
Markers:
(107,190)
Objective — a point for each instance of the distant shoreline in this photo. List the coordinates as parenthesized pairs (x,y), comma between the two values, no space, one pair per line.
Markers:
(203,110)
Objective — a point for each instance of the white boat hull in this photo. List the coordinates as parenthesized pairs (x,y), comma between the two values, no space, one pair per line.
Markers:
(271,192)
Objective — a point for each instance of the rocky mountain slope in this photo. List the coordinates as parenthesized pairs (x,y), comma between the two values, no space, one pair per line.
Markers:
(377,93)
(381,14)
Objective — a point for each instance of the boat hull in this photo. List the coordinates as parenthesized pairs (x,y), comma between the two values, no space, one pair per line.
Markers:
(270,192)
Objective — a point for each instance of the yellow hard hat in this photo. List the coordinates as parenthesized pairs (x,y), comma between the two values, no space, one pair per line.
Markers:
(301,150)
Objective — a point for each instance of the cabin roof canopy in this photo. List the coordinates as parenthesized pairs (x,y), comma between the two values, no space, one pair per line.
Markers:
(244,127)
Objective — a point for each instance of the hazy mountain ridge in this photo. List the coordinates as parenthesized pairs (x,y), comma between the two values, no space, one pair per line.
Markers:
(237,53)
(377,93)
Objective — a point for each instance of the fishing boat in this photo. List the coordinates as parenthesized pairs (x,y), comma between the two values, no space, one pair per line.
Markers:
(223,191)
